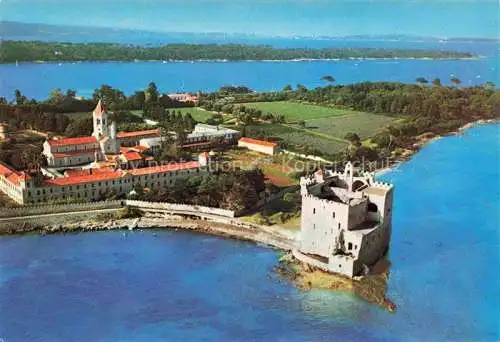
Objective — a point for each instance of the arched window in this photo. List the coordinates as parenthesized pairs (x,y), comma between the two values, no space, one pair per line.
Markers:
(314,210)
(372,207)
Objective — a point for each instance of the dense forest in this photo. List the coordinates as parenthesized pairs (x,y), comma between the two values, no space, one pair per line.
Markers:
(12,51)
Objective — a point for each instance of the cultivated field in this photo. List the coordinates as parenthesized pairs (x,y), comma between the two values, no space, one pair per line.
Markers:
(276,170)
(294,111)
(302,139)
(364,124)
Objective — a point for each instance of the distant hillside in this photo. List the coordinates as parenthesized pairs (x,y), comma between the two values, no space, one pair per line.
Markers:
(11,30)
(12,51)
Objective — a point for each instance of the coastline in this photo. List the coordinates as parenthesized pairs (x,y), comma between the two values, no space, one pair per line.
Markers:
(247,60)
(425,140)
(235,229)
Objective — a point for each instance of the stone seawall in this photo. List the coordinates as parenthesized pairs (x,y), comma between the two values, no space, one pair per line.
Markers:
(104,220)
(59,208)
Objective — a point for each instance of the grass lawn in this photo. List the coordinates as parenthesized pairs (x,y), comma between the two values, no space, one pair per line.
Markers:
(197,113)
(364,124)
(294,111)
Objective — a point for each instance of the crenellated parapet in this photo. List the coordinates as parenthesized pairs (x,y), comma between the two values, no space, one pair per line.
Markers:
(382,185)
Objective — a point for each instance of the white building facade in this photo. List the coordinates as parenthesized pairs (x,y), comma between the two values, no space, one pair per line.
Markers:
(261,146)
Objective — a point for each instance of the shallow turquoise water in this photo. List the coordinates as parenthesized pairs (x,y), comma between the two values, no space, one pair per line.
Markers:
(172,286)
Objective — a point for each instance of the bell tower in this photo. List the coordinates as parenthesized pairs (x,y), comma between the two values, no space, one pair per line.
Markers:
(100,121)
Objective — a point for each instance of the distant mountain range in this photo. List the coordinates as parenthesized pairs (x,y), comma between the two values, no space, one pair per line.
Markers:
(11,30)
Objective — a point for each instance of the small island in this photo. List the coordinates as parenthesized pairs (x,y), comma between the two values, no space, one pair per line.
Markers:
(30,51)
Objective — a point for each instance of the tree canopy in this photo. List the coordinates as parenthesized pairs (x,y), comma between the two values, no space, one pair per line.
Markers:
(12,51)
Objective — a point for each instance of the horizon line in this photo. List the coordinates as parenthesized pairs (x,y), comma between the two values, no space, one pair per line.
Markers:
(261,35)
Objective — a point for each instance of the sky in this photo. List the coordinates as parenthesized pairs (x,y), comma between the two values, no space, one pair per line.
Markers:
(430,18)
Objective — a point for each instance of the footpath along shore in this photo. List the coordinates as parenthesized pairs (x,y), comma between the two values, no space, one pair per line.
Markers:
(275,237)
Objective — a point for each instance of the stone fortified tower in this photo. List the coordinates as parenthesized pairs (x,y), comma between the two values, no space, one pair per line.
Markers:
(346,221)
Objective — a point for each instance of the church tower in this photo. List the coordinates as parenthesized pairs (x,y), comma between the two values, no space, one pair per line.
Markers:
(100,120)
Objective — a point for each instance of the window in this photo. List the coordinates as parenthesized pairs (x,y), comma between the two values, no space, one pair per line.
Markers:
(339,225)
(349,246)
(314,210)
(333,214)
(372,207)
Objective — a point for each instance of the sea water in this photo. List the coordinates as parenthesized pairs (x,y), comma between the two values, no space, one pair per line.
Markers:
(180,286)
(37,80)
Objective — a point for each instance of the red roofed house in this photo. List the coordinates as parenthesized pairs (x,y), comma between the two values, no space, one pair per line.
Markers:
(261,146)
(132,138)
(13,183)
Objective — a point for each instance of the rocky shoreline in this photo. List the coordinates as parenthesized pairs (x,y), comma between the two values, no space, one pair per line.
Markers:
(371,287)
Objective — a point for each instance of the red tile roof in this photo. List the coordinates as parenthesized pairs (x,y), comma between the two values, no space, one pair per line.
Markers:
(110,174)
(137,148)
(258,142)
(164,168)
(138,133)
(132,156)
(87,172)
(83,179)
(73,141)
(11,175)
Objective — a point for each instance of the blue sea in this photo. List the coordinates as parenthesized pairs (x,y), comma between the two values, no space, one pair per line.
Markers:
(36,80)
(180,286)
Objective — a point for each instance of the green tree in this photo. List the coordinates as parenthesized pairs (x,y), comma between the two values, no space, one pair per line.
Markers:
(455,81)
(353,138)
(110,96)
(56,96)
(328,78)
(20,98)
(138,99)
(421,81)
(436,82)
(288,87)
(489,85)
(152,93)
